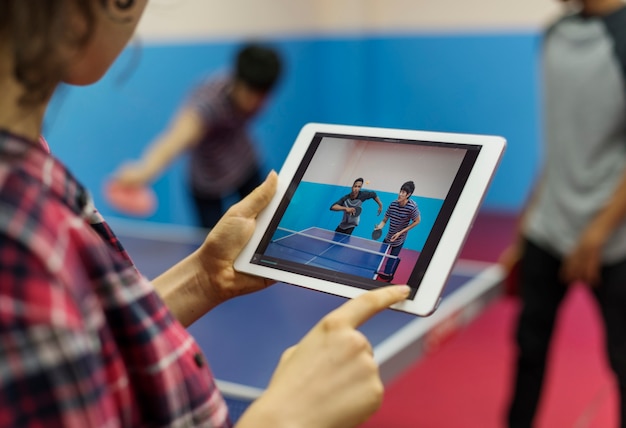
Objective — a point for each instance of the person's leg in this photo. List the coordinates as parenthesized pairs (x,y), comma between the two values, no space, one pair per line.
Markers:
(391,264)
(541,293)
(345,231)
(611,296)
(208,209)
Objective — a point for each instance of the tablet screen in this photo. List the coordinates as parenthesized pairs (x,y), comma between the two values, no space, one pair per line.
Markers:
(344,188)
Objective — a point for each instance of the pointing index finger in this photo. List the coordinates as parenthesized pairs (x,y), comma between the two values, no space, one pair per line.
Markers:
(358,310)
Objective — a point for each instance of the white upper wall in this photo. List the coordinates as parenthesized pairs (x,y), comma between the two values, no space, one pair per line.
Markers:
(177,20)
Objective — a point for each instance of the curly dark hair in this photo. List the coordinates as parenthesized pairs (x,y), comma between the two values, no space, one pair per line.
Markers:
(38,32)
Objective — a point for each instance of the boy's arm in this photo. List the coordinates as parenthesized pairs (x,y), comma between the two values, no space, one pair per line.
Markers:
(380,204)
(411,225)
(382,223)
(184,132)
(583,263)
(339,206)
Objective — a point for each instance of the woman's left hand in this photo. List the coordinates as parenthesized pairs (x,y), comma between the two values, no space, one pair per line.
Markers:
(226,240)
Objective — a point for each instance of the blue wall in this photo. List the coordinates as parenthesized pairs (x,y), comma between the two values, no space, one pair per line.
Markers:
(311,202)
(478,83)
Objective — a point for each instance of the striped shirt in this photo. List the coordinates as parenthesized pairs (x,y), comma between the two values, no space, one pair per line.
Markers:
(225,157)
(85,341)
(399,218)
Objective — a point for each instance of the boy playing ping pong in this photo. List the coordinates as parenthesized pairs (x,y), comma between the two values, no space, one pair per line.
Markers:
(404,215)
(351,204)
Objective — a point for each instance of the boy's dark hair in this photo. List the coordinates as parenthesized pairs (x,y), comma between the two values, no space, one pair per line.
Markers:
(408,187)
(258,67)
(358,179)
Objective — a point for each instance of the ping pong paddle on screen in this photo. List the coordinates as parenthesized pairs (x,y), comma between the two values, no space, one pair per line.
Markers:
(138,201)
(357,211)
(376,234)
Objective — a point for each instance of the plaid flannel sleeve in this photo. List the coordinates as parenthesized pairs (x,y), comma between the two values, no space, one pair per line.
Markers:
(51,373)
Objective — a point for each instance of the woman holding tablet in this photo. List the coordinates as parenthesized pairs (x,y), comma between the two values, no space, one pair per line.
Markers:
(87,341)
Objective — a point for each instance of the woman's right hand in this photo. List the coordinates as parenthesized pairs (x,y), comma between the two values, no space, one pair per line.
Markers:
(330,378)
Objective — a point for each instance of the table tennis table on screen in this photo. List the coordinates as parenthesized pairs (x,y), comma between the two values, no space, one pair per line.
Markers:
(331,250)
(244,338)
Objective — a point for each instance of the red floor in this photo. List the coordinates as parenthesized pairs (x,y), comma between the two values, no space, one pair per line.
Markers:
(465,382)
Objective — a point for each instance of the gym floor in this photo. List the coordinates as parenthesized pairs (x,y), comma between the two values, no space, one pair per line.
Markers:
(466,379)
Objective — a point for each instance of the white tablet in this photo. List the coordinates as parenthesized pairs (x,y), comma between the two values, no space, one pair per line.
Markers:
(340,183)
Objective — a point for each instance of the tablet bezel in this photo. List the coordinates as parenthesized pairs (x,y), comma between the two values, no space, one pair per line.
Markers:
(424,299)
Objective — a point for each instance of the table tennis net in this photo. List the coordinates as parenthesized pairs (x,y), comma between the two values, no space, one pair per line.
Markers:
(335,251)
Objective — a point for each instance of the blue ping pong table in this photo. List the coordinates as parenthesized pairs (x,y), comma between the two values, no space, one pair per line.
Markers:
(329,249)
(244,338)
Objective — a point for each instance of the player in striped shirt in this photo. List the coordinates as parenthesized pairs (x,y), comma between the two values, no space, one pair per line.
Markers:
(403,215)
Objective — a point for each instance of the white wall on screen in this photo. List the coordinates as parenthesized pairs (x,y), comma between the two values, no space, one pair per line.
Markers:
(340,162)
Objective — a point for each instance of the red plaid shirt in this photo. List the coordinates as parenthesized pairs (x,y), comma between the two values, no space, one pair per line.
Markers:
(84,339)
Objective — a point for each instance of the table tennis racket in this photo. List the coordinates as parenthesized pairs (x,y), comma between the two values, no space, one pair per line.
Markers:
(138,201)
(376,234)
(357,211)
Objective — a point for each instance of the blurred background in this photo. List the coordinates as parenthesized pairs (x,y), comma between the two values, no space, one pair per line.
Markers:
(468,66)
(445,65)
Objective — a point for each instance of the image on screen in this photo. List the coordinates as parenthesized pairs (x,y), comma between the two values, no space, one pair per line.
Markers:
(347,186)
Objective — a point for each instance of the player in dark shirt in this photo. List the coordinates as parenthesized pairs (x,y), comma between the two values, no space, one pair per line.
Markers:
(350,203)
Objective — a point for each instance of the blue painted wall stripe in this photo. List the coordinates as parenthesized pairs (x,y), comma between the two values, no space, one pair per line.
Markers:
(478,83)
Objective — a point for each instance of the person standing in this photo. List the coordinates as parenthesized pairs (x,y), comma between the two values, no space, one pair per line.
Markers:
(403,215)
(351,203)
(573,228)
(212,126)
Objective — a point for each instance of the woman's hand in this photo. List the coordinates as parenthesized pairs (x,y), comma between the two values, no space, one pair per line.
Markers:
(206,278)
(226,240)
(330,378)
